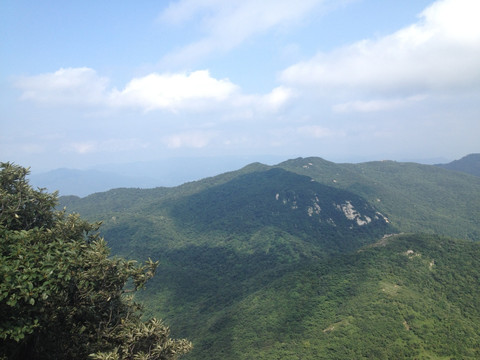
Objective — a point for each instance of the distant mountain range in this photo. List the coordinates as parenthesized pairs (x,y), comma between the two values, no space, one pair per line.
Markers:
(169,172)
(165,172)
(308,259)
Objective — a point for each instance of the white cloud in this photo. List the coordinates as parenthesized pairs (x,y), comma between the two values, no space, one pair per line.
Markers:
(272,101)
(441,51)
(71,86)
(227,24)
(176,92)
(173,91)
(457,20)
(278,97)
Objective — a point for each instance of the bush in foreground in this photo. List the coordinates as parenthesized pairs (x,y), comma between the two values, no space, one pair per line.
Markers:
(61,295)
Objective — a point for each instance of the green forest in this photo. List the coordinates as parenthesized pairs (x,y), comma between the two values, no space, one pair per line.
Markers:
(307,259)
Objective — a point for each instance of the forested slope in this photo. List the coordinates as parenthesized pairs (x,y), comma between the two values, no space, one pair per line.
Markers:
(291,261)
(409,296)
(415,197)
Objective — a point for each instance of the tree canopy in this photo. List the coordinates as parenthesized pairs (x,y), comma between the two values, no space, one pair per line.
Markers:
(61,294)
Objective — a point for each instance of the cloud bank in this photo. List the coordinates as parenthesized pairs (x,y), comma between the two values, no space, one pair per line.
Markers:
(441,52)
(175,92)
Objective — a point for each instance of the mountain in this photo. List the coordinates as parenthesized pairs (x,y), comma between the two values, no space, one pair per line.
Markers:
(146,174)
(316,213)
(299,260)
(469,164)
(412,196)
(231,210)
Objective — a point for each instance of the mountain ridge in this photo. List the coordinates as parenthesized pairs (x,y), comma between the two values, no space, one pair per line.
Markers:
(469,164)
(173,172)
(414,197)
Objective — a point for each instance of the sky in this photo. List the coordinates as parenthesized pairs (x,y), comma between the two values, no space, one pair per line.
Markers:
(84,83)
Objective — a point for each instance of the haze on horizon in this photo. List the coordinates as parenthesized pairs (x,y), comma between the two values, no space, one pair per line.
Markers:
(88,83)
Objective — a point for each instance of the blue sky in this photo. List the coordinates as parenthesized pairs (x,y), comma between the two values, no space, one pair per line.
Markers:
(84,83)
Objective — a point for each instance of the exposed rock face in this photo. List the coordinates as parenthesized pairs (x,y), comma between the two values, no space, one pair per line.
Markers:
(352,214)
